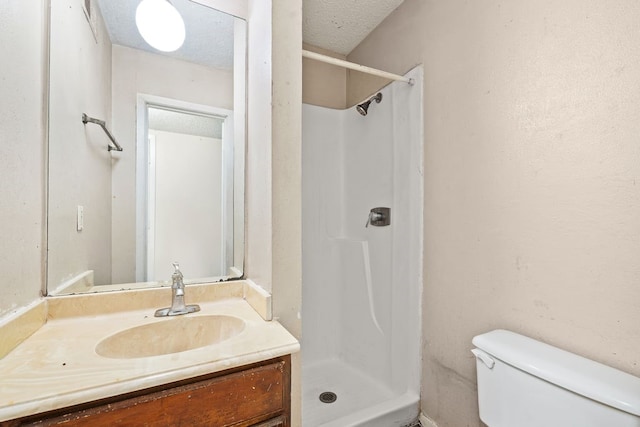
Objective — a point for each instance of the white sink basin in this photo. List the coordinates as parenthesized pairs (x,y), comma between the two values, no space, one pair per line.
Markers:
(171,335)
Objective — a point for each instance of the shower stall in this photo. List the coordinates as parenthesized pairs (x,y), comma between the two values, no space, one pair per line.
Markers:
(362,279)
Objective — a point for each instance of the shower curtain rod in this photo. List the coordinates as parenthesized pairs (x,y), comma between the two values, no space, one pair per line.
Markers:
(354,66)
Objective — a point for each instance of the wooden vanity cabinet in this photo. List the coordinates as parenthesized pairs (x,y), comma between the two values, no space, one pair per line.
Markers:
(257,395)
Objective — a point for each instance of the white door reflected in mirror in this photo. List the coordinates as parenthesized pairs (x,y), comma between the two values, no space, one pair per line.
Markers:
(185,209)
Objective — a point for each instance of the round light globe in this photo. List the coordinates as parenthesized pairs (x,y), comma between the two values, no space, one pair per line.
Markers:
(160,25)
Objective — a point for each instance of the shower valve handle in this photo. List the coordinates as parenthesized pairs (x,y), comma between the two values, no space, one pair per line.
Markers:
(379,217)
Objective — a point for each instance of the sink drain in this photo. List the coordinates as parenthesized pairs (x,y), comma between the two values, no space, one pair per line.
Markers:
(328,397)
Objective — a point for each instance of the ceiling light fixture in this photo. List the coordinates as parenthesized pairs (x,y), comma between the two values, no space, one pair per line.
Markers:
(160,24)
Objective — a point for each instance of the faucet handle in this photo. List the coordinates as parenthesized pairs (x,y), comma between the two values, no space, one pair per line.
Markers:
(176,267)
(177,274)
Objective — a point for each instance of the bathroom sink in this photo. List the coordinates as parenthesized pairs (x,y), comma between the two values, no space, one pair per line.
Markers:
(171,335)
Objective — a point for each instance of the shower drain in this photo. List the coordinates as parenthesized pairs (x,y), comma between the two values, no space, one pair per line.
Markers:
(328,397)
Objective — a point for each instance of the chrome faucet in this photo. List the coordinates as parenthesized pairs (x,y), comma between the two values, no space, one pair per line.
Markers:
(177,297)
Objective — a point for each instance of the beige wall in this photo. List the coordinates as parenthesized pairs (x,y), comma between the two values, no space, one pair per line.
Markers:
(273,192)
(323,84)
(274,155)
(286,161)
(287,178)
(22,135)
(361,86)
(532,167)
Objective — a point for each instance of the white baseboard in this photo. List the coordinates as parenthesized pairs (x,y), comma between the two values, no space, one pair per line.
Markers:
(426,421)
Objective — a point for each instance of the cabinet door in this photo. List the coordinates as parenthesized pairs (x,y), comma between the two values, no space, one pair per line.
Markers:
(244,398)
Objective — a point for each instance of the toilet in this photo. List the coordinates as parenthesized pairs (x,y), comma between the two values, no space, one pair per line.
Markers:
(526,383)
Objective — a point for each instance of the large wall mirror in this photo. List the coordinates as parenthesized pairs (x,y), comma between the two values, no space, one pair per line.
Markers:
(118,219)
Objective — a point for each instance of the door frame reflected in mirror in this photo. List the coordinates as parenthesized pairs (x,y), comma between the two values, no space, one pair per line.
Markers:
(145,270)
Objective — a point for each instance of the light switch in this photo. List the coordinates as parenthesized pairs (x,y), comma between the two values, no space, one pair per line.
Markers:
(80,217)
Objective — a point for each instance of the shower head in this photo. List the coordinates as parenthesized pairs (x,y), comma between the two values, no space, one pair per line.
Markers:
(364,107)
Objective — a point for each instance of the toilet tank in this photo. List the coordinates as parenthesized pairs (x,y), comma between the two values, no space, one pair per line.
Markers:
(526,383)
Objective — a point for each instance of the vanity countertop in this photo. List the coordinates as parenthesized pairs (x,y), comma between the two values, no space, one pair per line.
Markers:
(58,366)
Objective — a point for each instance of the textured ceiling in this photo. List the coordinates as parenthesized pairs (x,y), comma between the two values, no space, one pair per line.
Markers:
(202,44)
(340,25)
(336,25)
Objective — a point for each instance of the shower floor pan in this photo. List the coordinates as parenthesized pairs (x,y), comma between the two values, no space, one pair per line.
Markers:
(360,400)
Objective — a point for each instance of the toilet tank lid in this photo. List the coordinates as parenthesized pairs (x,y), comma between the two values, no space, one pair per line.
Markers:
(564,369)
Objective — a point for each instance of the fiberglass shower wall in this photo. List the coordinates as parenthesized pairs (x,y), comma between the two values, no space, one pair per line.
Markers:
(361,286)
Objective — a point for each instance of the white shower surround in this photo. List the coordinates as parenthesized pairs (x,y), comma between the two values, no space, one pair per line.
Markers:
(361,327)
